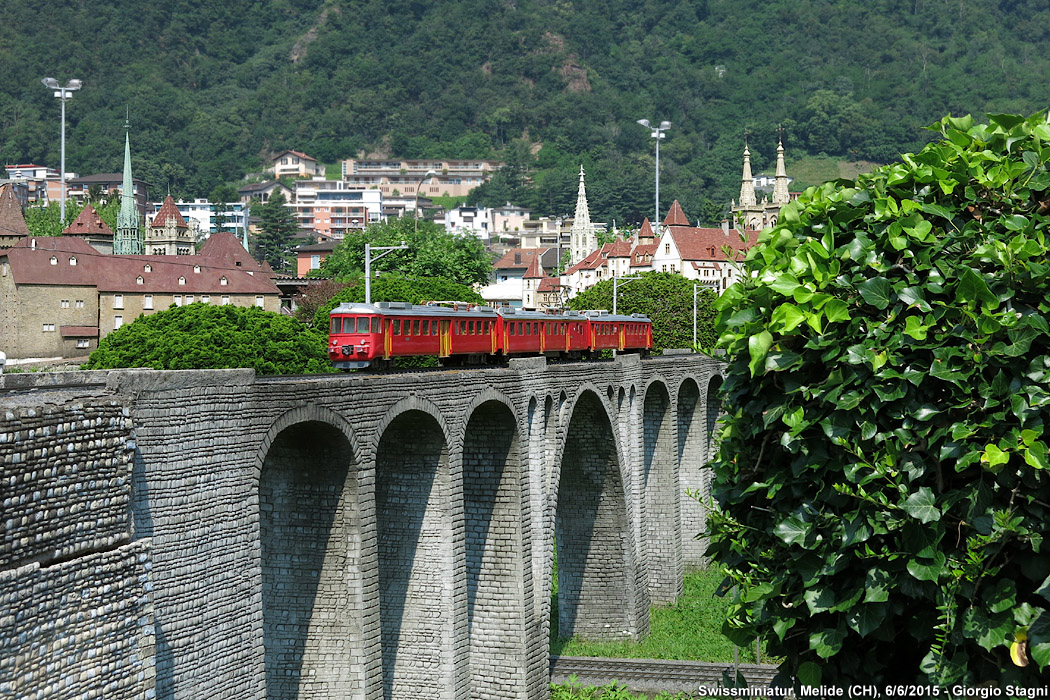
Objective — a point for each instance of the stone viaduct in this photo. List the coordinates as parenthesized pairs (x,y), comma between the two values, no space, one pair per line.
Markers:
(213,534)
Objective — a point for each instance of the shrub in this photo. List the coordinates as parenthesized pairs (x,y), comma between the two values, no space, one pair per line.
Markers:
(882,481)
(204,336)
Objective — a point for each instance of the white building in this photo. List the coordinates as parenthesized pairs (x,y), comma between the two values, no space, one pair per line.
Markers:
(203,218)
(334,207)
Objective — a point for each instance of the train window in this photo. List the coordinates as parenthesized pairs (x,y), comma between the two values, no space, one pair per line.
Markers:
(348,325)
(434,327)
(528,329)
(426,326)
(395,327)
(336,324)
(470,327)
(362,324)
(375,324)
(415,327)
(511,329)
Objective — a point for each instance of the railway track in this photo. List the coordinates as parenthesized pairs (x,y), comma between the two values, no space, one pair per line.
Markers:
(656,675)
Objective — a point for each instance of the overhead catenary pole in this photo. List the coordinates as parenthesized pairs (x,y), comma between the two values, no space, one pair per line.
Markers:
(387,249)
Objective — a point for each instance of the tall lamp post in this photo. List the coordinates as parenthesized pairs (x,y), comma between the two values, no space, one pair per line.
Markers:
(617,283)
(430,174)
(63,94)
(657,132)
(387,249)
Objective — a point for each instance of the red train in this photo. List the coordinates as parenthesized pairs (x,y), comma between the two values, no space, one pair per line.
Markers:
(373,335)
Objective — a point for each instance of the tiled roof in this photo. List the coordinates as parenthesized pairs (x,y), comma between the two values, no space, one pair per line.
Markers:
(88,222)
(518,258)
(549,284)
(167,211)
(591,262)
(299,154)
(225,250)
(323,246)
(12,222)
(646,231)
(638,255)
(707,243)
(535,270)
(31,264)
(676,216)
(260,187)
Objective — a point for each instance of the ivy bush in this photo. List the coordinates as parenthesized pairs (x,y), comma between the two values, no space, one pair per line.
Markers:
(882,488)
(206,336)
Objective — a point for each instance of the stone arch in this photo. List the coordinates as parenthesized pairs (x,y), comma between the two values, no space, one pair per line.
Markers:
(600,592)
(692,460)
(496,514)
(714,410)
(312,584)
(663,530)
(418,586)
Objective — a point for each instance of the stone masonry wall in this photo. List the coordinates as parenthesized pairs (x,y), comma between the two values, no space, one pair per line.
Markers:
(76,615)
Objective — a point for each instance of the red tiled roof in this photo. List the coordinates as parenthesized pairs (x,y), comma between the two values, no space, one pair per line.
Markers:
(646,231)
(168,210)
(707,243)
(535,270)
(676,216)
(591,262)
(88,222)
(518,258)
(30,261)
(638,255)
(225,250)
(12,222)
(549,284)
(618,249)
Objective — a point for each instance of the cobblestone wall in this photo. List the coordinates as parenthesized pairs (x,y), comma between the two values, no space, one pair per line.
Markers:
(661,497)
(76,618)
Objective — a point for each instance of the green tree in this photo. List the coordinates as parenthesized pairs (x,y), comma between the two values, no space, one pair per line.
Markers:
(220,198)
(276,230)
(431,252)
(666,298)
(883,482)
(205,336)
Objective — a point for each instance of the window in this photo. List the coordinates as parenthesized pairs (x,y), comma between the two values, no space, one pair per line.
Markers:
(375,324)
(225,300)
(147,301)
(177,300)
(205,299)
(667,248)
(65,303)
(148,268)
(83,343)
(79,303)
(512,329)
(434,328)
(470,327)
(118,321)
(189,298)
(426,327)
(196,269)
(315,262)
(182,281)
(223,281)
(118,301)
(362,325)
(54,260)
(48,328)
(395,327)
(259,301)
(72,260)
(415,327)
(138,280)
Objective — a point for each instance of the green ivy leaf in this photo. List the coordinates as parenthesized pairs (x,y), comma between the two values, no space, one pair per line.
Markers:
(758,347)
(866,618)
(923,505)
(928,570)
(809,674)
(876,291)
(793,530)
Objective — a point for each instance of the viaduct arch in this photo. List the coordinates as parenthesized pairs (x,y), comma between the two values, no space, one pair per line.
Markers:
(393,536)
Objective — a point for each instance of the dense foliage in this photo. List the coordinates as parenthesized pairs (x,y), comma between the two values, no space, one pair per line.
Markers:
(204,336)
(395,288)
(432,252)
(883,474)
(277,228)
(47,221)
(215,87)
(666,298)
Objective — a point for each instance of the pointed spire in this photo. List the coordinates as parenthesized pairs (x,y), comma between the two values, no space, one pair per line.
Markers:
(127,241)
(581,235)
(747,181)
(676,216)
(780,187)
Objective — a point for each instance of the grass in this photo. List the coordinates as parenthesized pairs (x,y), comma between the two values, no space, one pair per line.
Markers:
(613,691)
(814,170)
(689,630)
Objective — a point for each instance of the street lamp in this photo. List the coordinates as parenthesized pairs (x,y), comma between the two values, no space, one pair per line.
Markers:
(617,283)
(430,174)
(63,94)
(657,132)
(368,263)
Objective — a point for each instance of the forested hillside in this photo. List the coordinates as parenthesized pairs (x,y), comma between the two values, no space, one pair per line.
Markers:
(214,87)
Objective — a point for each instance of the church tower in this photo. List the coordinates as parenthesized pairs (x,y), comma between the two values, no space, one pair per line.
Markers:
(781,196)
(581,236)
(747,182)
(127,240)
(757,214)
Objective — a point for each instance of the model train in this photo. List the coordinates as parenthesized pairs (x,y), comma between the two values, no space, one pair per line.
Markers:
(374,335)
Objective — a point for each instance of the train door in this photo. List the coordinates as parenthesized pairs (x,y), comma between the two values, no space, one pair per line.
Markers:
(543,335)
(445,338)
(623,335)
(388,337)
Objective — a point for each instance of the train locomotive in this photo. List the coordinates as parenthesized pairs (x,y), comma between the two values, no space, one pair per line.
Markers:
(374,335)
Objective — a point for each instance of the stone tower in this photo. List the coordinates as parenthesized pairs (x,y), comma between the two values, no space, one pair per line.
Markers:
(168,233)
(581,236)
(760,214)
(127,240)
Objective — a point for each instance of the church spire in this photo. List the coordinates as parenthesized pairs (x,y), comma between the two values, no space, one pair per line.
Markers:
(582,238)
(747,181)
(127,241)
(780,187)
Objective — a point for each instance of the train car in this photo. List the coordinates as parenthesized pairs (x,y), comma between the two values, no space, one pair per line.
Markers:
(367,335)
(373,335)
